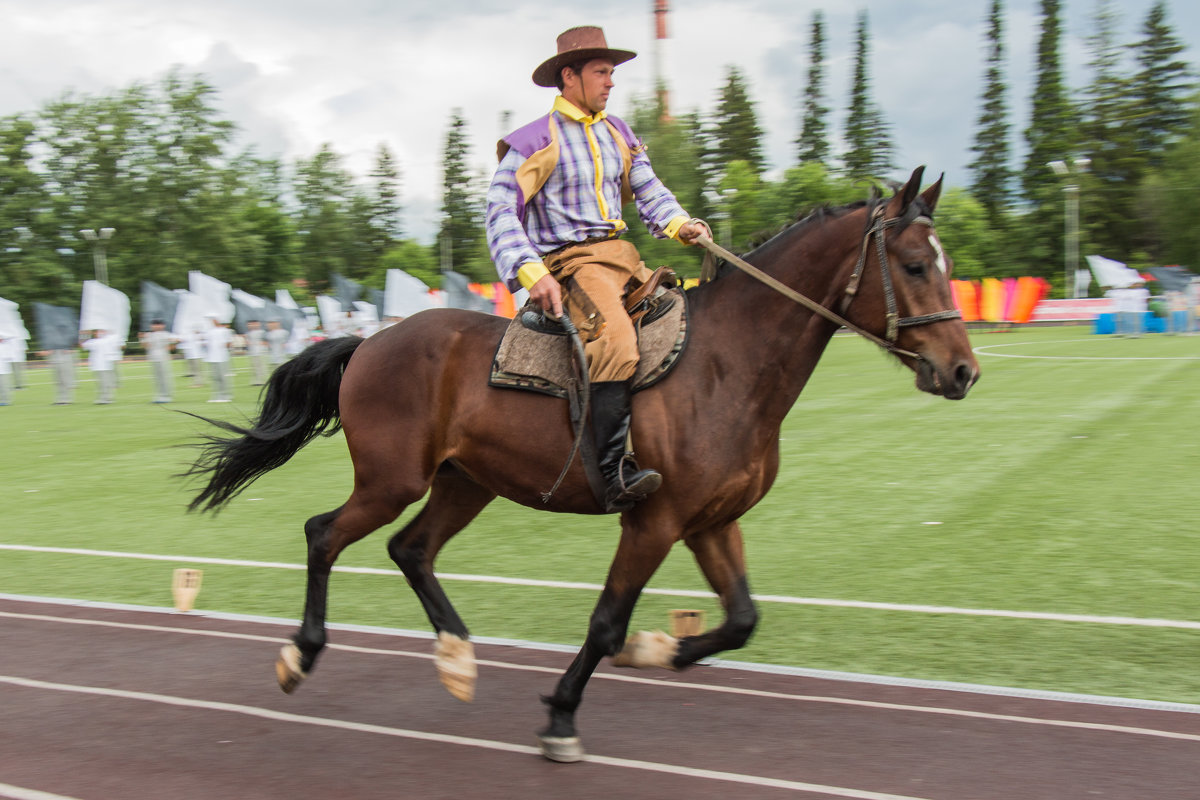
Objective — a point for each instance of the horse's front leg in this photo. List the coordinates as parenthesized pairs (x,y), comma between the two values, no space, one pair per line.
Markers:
(721,557)
(638,556)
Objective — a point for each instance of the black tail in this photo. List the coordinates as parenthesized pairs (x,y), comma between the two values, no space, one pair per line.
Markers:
(301,402)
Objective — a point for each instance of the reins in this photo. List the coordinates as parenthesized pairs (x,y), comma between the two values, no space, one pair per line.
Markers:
(894,321)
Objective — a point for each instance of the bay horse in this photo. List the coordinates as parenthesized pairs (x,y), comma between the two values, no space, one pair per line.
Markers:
(419,418)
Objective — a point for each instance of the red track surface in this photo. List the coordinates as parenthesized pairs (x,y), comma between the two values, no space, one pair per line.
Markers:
(659,735)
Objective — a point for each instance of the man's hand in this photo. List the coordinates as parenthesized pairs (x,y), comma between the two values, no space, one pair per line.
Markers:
(690,231)
(547,294)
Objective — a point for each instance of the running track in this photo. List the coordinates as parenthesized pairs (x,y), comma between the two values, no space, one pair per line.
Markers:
(101,704)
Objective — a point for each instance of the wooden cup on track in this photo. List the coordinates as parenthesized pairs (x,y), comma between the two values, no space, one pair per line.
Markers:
(185,586)
(686,622)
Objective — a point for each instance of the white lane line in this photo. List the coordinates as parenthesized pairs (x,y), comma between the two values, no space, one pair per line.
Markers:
(443,738)
(712,663)
(635,679)
(985,350)
(1048,616)
(10,792)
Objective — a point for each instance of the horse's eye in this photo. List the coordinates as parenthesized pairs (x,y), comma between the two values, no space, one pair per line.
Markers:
(915,268)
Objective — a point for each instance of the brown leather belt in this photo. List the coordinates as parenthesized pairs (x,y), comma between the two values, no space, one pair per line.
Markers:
(581,243)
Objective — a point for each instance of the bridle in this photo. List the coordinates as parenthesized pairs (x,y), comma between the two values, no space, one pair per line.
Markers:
(877,227)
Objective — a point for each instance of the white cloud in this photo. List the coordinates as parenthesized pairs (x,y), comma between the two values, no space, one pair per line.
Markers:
(357,73)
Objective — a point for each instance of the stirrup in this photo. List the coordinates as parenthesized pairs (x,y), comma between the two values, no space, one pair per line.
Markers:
(623,494)
(538,322)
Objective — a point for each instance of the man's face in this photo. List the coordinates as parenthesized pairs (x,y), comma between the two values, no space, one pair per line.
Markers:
(588,90)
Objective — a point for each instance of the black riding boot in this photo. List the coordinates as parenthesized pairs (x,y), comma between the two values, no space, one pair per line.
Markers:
(610,425)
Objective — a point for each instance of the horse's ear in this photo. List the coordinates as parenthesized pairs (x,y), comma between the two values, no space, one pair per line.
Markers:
(931,195)
(912,187)
(905,196)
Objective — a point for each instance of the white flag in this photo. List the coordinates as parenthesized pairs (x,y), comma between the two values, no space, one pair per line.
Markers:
(104,308)
(213,294)
(405,295)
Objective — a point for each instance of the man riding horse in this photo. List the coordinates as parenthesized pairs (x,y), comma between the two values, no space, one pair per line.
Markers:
(554,227)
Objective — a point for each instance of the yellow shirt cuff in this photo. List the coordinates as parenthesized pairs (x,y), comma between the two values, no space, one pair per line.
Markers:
(531,272)
(672,229)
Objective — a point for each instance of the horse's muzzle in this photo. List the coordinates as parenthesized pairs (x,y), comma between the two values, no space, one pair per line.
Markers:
(952,383)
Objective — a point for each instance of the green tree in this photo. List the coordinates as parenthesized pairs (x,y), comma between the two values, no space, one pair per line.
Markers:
(30,267)
(387,210)
(1049,138)
(461,237)
(325,195)
(1162,83)
(1107,137)
(1168,205)
(990,170)
(868,140)
(418,260)
(675,150)
(736,135)
(149,161)
(812,145)
(805,187)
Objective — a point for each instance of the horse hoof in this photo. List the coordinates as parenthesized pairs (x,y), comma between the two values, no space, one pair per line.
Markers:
(455,659)
(646,649)
(563,749)
(287,668)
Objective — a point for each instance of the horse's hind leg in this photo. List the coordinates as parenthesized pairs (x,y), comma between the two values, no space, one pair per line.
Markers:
(719,553)
(328,535)
(453,502)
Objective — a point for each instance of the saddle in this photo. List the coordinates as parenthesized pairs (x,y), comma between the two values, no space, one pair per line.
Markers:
(535,354)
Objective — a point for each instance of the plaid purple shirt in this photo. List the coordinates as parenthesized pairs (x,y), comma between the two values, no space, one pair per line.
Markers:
(569,208)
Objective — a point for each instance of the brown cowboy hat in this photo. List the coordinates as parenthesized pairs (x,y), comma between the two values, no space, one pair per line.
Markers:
(578,44)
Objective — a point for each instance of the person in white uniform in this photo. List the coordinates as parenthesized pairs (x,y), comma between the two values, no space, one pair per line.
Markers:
(159,341)
(256,349)
(277,337)
(5,371)
(217,340)
(104,350)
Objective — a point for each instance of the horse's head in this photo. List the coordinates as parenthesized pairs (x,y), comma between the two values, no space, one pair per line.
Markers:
(900,290)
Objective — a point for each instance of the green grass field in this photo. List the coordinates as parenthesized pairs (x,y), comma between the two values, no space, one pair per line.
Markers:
(1066,483)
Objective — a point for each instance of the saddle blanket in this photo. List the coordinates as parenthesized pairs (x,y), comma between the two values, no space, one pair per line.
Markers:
(541,362)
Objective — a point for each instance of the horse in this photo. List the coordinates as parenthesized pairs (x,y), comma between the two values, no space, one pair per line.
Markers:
(420,418)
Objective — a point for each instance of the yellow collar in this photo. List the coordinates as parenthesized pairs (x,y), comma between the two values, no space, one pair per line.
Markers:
(569,110)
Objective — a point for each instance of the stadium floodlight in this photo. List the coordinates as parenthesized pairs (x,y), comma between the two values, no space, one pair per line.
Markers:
(99,260)
(1071,219)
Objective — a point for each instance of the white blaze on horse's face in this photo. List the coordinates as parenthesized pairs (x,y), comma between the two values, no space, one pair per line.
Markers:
(937,248)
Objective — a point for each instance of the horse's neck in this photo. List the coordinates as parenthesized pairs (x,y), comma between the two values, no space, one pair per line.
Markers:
(765,340)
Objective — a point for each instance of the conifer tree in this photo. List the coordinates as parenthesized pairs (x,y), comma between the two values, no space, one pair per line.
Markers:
(1049,138)
(461,236)
(736,135)
(812,145)
(868,140)
(1049,132)
(386,212)
(991,173)
(1108,140)
(1162,84)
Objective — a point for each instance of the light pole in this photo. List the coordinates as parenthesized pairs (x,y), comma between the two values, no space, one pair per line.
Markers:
(99,239)
(1071,220)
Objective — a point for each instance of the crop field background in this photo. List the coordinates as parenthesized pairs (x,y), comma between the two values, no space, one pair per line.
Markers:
(1065,486)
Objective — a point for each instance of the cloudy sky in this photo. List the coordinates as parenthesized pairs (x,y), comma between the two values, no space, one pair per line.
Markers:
(355,73)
